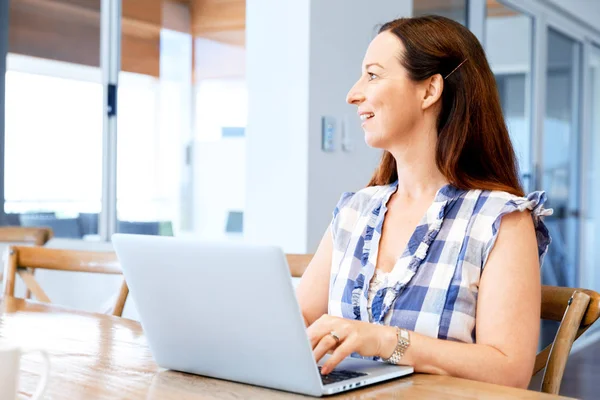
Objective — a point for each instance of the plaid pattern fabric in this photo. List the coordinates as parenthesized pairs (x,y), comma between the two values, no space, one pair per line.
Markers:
(433,287)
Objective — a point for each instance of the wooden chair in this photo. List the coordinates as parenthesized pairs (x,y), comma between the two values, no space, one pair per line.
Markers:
(298,263)
(20,259)
(577,310)
(20,234)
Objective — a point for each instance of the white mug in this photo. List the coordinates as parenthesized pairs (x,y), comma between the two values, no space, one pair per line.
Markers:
(10,358)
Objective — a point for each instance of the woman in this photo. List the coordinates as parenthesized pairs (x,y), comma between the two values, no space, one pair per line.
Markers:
(436,263)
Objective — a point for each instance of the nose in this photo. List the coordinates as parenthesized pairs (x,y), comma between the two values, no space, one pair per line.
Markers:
(355,95)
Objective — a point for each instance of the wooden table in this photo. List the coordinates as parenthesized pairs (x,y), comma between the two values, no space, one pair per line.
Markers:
(103,357)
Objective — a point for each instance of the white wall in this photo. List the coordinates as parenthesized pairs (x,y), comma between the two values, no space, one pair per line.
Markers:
(299,68)
(218,60)
(586,10)
(277,75)
(340,34)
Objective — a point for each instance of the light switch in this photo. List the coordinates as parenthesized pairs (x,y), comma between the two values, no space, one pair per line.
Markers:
(327,134)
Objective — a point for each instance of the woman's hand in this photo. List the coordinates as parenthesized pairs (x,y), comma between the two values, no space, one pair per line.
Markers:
(364,338)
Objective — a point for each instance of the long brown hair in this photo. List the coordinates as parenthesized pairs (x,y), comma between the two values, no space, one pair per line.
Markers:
(474,150)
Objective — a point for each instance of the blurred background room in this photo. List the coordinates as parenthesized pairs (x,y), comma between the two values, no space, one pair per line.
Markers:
(226,120)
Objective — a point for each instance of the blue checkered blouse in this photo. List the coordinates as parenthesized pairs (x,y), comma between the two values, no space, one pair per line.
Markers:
(434,284)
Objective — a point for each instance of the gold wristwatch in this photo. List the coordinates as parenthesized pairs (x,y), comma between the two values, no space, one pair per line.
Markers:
(401,346)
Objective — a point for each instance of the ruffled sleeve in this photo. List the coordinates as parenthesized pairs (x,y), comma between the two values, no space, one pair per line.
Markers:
(344,198)
(533,202)
(339,222)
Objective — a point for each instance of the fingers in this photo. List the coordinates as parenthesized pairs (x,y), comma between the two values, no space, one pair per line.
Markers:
(344,350)
(322,341)
(327,343)
(315,334)
(320,328)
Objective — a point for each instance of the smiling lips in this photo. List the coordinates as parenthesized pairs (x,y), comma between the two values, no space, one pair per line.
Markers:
(366,115)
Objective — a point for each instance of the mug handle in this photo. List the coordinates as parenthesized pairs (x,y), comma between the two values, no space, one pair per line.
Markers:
(41,387)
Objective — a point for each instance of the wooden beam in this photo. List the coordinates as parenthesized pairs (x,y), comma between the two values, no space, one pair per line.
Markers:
(55,30)
(176,16)
(220,20)
(69,30)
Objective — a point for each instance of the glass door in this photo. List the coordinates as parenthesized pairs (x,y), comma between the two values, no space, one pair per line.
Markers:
(560,158)
(591,250)
(508,44)
(154,118)
(53,131)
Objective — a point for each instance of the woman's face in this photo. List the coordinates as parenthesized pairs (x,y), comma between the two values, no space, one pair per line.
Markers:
(389,103)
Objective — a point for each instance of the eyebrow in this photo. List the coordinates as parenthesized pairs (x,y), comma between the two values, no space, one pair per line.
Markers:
(374,65)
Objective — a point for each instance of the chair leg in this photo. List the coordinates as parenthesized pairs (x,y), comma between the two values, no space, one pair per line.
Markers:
(32,284)
(120,303)
(561,347)
(28,291)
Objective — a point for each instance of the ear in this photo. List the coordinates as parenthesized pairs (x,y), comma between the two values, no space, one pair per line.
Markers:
(433,91)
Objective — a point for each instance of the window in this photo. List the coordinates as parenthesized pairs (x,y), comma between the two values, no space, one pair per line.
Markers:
(221,112)
(53,130)
(508,44)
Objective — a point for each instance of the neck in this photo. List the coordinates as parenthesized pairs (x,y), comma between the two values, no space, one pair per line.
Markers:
(418,174)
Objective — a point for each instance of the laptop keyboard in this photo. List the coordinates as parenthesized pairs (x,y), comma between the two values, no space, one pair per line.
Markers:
(339,375)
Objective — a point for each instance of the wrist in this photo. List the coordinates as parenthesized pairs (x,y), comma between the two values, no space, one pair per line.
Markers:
(402,344)
(389,342)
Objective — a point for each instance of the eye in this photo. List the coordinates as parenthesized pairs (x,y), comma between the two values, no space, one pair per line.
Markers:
(371,76)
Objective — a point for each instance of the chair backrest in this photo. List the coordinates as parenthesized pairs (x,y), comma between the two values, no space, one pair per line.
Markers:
(139,227)
(19,234)
(12,219)
(235,222)
(298,263)
(10,235)
(62,227)
(21,259)
(577,310)
(88,223)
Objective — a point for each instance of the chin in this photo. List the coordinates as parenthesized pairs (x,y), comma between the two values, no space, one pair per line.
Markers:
(374,140)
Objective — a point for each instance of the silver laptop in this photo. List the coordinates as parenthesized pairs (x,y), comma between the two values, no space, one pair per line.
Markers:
(229,311)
